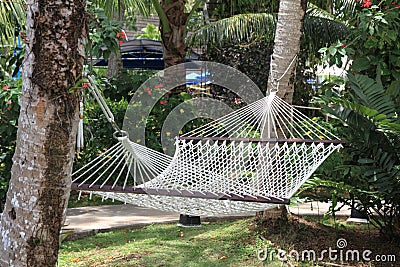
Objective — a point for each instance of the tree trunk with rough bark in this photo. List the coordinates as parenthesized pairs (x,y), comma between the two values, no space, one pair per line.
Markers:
(287,46)
(41,174)
(173,34)
(114,65)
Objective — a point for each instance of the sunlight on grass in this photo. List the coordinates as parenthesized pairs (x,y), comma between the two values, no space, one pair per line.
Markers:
(224,243)
(215,244)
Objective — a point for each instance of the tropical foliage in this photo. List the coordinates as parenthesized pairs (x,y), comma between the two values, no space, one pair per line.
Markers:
(368,169)
(10,91)
(12,20)
(150,32)
(104,34)
(320,28)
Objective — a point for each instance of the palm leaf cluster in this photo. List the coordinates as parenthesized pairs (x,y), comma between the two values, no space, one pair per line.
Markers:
(12,19)
(242,28)
(320,28)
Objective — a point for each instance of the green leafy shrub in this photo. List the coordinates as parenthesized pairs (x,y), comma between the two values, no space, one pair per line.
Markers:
(10,91)
(367,170)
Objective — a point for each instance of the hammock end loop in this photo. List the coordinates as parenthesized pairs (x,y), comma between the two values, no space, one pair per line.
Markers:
(120,134)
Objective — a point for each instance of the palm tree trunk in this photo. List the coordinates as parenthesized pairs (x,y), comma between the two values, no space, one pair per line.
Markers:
(42,164)
(172,29)
(114,65)
(286,46)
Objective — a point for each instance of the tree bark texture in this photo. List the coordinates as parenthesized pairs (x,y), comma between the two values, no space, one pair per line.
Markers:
(287,46)
(41,174)
(114,64)
(173,41)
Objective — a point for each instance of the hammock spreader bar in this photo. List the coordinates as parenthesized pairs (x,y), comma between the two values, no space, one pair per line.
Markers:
(261,140)
(179,193)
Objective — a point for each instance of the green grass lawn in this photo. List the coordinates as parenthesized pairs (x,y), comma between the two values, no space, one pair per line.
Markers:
(226,243)
(229,243)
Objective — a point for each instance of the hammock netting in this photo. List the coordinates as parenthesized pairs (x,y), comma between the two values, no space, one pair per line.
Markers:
(247,161)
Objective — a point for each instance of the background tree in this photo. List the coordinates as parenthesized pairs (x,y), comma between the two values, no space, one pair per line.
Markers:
(174,17)
(41,174)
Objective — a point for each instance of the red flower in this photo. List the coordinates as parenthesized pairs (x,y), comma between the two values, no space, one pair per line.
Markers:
(121,42)
(5,88)
(163,102)
(148,90)
(121,35)
(158,86)
(85,85)
(342,46)
(9,102)
(8,108)
(367,3)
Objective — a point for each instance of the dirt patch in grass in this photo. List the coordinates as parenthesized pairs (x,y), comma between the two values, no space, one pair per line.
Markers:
(335,245)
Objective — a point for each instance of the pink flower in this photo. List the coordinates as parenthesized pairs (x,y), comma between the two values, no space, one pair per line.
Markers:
(121,42)
(158,86)
(9,102)
(163,102)
(237,101)
(5,88)
(8,108)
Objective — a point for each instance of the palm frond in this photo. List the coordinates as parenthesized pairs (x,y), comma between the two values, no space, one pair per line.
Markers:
(345,9)
(113,8)
(12,15)
(315,11)
(242,28)
(321,31)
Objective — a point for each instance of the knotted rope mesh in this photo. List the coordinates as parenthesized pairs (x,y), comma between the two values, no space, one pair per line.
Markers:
(246,161)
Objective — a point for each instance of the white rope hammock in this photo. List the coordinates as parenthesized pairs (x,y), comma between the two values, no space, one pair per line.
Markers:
(247,161)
